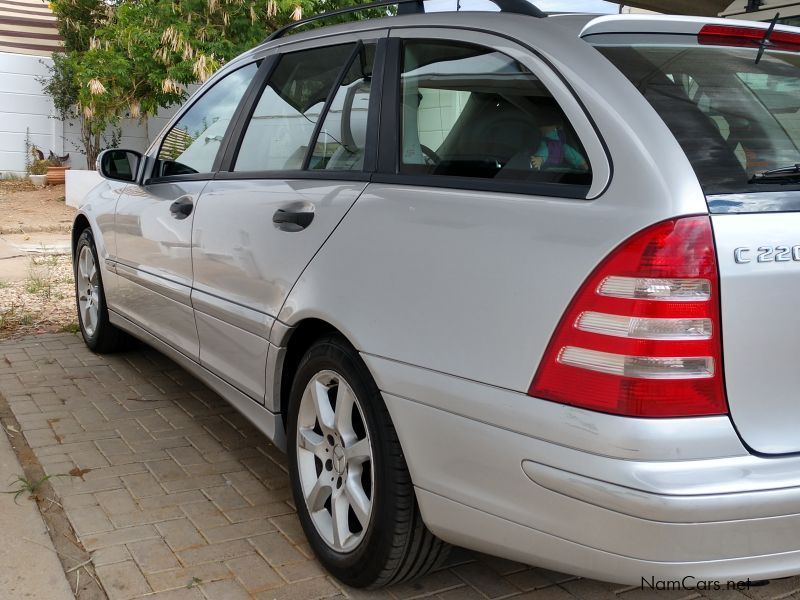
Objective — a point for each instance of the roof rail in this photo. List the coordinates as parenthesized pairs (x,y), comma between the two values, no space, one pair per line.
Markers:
(405,7)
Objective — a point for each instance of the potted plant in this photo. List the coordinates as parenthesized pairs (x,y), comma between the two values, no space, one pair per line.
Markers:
(38,173)
(56,165)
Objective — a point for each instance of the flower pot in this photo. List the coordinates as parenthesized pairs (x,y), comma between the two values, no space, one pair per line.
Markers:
(38,181)
(55,175)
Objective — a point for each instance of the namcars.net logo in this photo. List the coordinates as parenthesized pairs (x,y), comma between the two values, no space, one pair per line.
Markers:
(693,583)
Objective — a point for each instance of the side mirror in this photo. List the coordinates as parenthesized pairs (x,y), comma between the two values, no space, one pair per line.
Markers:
(119,165)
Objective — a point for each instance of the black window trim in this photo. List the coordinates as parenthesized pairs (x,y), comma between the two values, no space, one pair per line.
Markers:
(152,161)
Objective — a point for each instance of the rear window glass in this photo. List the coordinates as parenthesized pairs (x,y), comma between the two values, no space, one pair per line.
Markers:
(734,118)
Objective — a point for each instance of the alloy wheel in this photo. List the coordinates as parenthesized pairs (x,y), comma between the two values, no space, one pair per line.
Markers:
(88,286)
(335,461)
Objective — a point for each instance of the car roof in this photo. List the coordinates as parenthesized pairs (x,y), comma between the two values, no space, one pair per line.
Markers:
(570,26)
(483,20)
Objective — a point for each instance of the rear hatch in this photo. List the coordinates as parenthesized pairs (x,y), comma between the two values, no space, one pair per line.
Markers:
(730,93)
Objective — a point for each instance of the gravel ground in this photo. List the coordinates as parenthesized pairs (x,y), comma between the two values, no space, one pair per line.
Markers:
(41,298)
(44,302)
(26,209)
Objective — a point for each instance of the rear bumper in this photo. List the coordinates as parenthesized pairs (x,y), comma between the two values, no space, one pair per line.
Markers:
(597,512)
(479,530)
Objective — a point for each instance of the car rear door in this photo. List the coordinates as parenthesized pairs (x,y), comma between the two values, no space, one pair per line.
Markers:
(301,156)
(153,221)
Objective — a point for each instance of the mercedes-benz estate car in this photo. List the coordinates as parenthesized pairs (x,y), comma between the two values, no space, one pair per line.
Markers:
(524,285)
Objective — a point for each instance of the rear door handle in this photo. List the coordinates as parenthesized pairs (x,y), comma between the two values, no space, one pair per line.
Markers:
(182,207)
(292,220)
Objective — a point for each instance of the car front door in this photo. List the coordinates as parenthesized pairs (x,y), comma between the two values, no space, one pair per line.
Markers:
(153,222)
(302,160)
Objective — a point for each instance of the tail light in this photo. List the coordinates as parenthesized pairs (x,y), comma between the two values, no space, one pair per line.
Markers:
(747,37)
(642,335)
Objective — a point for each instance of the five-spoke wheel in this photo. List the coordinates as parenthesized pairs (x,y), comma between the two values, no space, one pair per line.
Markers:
(335,460)
(88,289)
(350,481)
(98,332)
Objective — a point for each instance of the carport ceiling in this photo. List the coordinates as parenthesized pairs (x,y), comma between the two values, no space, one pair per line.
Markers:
(706,8)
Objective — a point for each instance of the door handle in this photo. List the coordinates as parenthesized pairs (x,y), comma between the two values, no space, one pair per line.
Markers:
(292,220)
(182,207)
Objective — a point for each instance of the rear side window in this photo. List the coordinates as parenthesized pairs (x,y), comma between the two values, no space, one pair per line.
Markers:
(470,111)
(342,139)
(734,117)
(279,133)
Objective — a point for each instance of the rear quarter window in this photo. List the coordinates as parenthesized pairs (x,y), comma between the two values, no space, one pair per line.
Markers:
(734,117)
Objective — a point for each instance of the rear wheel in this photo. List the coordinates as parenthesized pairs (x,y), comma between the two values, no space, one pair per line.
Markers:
(98,332)
(350,482)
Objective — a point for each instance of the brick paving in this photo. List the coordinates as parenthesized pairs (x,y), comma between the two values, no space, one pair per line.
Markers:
(181,498)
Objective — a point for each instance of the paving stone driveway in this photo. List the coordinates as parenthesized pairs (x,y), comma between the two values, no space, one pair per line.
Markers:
(182,498)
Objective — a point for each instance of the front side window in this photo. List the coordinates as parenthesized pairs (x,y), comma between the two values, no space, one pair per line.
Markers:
(280,130)
(193,142)
(470,111)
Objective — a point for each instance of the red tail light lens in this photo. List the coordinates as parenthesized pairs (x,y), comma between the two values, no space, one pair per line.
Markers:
(642,335)
(747,37)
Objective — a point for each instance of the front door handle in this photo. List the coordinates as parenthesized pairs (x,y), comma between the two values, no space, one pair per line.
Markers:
(292,220)
(182,207)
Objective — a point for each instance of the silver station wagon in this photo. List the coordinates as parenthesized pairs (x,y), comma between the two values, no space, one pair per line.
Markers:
(517,282)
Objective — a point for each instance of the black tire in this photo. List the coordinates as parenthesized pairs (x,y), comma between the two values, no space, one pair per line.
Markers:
(396,546)
(105,338)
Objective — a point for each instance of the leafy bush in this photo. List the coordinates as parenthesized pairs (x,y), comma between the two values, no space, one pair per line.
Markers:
(39,167)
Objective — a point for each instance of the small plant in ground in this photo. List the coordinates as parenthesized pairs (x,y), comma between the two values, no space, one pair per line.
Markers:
(193,582)
(39,167)
(70,328)
(41,275)
(38,284)
(48,260)
(28,151)
(4,285)
(25,486)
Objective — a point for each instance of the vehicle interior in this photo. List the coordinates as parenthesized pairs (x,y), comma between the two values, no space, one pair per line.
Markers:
(461,119)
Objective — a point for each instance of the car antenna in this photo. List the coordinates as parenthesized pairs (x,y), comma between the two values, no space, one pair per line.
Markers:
(764,43)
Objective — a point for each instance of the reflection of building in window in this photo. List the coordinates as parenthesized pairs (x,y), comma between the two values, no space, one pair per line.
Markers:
(175,143)
(764,10)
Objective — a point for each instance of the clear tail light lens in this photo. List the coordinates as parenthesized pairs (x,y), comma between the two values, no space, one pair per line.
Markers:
(642,335)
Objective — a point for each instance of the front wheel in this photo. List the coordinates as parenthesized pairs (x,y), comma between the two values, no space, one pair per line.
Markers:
(98,332)
(350,481)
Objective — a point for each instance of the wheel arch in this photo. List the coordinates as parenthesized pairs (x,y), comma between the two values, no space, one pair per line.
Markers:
(80,223)
(300,338)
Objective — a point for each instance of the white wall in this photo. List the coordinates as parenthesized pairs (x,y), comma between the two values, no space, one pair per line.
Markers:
(136,135)
(23,105)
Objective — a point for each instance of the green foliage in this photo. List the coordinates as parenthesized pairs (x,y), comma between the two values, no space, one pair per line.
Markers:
(78,20)
(27,487)
(61,84)
(133,57)
(39,167)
